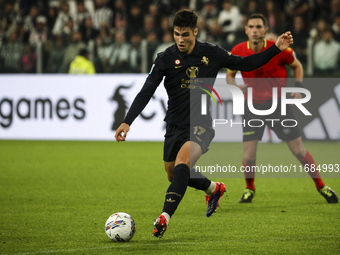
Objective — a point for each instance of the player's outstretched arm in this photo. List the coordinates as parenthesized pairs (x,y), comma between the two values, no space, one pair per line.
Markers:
(121,132)
(254,61)
(284,41)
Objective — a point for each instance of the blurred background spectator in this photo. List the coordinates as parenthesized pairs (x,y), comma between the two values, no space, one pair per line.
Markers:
(336,27)
(119,54)
(326,54)
(88,31)
(8,16)
(297,7)
(28,60)
(119,14)
(252,7)
(135,56)
(167,41)
(82,14)
(63,18)
(202,29)
(39,33)
(321,9)
(165,26)
(209,12)
(300,35)
(317,31)
(334,9)
(11,53)
(125,36)
(153,11)
(229,18)
(150,26)
(55,55)
(274,16)
(152,44)
(103,48)
(72,50)
(30,19)
(82,64)
(271,36)
(52,15)
(102,14)
(135,21)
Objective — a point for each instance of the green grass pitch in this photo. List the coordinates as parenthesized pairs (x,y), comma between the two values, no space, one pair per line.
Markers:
(55,197)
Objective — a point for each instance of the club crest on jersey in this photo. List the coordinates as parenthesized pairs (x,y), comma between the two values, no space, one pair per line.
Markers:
(177,61)
(286,131)
(205,60)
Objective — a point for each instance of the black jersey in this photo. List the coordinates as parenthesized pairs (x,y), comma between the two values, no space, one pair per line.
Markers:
(178,68)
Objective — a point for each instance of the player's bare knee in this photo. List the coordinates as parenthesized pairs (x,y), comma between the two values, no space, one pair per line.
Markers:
(299,152)
(185,161)
(169,169)
(170,177)
(249,159)
(249,162)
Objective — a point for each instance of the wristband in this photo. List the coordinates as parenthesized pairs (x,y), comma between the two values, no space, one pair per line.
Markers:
(298,84)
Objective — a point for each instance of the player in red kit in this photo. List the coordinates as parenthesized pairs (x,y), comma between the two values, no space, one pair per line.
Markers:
(274,74)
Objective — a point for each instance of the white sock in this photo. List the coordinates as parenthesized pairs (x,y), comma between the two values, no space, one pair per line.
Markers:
(211,188)
(167,216)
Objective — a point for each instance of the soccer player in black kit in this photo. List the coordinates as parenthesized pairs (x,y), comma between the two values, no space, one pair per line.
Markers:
(186,59)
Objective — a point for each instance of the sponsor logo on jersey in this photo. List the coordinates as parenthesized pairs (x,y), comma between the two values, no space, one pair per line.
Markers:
(192,71)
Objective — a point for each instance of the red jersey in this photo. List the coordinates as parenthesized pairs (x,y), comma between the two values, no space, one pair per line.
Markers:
(272,71)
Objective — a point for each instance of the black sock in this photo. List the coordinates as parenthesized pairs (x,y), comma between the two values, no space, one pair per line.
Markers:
(176,189)
(198,180)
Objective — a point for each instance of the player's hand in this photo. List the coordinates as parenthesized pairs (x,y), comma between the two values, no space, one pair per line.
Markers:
(121,132)
(296,95)
(284,41)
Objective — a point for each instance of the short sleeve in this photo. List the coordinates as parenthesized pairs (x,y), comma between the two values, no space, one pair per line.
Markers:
(288,56)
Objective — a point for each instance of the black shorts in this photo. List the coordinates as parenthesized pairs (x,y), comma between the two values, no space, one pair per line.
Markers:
(287,131)
(175,137)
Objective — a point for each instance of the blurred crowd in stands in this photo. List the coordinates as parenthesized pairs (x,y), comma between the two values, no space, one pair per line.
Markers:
(124,36)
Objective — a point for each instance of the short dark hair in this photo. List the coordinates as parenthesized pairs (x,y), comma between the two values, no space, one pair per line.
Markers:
(328,30)
(258,16)
(83,52)
(185,18)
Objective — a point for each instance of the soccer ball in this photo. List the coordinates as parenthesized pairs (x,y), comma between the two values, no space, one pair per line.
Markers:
(120,227)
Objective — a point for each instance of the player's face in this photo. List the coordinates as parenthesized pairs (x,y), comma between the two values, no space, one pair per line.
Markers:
(185,38)
(256,30)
